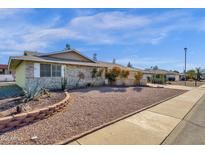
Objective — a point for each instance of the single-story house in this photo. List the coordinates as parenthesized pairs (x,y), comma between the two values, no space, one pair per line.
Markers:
(50,70)
(130,81)
(160,75)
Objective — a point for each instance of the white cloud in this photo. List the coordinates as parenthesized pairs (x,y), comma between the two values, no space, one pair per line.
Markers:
(6,13)
(115,27)
(109,20)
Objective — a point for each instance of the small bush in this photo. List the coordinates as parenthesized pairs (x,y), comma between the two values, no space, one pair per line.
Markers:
(63,83)
(112,74)
(81,76)
(138,77)
(94,73)
(124,74)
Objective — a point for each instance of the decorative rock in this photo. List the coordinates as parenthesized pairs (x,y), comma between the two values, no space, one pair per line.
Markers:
(22,124)
(6,120)
(2,126)
(44,110)
(52,108)
(5,129)
(28,119)
(34,138)
(20,116)
(19,120)
(33,113)
(41,116)
(13,124)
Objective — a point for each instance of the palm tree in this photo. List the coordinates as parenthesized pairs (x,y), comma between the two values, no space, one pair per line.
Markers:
(198,73)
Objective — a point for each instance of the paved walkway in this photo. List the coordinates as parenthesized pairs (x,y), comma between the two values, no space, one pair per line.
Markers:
(151,126)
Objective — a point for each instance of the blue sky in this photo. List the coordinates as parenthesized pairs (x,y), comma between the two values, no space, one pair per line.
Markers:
(145,37)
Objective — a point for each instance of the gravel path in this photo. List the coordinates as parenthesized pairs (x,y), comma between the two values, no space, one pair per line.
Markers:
(88,108)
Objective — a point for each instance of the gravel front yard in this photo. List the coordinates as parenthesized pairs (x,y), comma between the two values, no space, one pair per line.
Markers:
(88,108)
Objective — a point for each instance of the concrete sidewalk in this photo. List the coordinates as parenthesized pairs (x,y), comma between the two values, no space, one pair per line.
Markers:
(171,86)
(191,130)
(151,126)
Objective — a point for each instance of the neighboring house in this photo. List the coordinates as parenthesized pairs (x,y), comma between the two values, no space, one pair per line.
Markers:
(49,70)
(5,74)
(130,81)
(4,69)
(160,75)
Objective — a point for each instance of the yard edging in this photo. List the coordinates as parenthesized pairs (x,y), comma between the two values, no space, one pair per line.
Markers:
(18,120)
(66,141)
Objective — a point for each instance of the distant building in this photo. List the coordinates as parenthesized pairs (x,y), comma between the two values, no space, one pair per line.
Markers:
(160,75)
(5,74)
(4,69)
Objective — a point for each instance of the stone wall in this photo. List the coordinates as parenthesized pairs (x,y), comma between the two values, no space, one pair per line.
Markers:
(44,82)
(71,74)
(29,70)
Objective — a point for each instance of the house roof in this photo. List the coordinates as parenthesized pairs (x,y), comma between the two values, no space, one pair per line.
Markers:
(14,61)
(3,66)
(159,71)
(111,65)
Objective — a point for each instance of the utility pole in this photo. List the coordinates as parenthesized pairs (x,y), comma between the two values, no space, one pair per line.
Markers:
(185,50)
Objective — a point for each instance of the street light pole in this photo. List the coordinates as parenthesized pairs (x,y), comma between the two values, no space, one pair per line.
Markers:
(185,50)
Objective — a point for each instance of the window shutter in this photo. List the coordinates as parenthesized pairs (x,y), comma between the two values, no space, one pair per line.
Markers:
(62,70)
(36,70)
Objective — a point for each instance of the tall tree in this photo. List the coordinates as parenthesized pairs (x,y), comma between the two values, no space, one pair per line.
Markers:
(95,57)
(114,61)
(199,73)
(191,74)
(129,65)
(154,67)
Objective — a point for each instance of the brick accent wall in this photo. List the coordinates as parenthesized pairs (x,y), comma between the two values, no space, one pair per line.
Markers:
(29,70)
(71,74)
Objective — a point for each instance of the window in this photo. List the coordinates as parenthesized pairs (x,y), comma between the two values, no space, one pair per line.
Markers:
(48,70)
(56,70)
(45,70)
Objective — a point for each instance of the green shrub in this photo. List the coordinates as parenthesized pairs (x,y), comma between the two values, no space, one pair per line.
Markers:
(63,83)
(112,74)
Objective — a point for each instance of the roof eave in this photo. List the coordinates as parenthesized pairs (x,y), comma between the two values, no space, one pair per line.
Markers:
(58,62)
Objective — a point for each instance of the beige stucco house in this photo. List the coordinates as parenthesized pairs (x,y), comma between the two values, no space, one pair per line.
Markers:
(151,74)
(130,80)
(48,70)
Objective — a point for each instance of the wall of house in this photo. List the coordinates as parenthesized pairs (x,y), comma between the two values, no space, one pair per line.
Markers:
(20,75)
(146,76)
(71,74)
(130,81)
